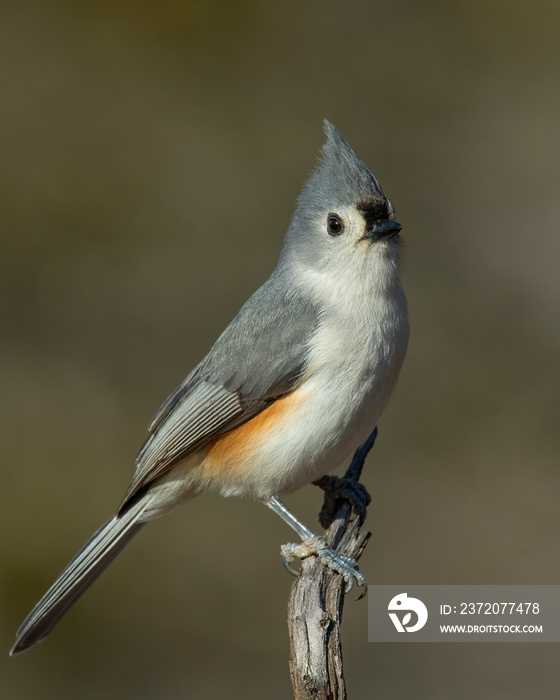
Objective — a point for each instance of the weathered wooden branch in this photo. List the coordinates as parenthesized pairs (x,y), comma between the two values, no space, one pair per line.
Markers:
(317,599)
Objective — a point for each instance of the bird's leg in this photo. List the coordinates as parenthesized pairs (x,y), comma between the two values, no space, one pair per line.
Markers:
(342,488)
(347,488)
(314,544)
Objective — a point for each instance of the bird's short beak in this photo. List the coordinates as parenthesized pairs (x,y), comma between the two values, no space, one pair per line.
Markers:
(384,229)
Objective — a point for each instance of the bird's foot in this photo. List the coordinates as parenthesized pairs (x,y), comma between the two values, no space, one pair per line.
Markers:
(317,545)
(339,489)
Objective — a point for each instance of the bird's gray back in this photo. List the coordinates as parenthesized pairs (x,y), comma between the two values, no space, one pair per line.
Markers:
(262,353)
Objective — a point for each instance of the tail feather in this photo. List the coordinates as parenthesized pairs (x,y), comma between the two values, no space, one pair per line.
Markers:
(94,557)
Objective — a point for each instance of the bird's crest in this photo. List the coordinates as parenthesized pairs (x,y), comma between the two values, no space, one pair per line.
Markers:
(340,178)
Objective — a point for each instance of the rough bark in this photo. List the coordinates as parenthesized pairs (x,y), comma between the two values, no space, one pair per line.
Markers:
(316,604)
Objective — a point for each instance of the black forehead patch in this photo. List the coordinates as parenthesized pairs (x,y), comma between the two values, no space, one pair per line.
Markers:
(373,211)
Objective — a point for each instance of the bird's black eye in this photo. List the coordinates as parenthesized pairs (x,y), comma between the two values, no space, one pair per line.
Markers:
(334,225)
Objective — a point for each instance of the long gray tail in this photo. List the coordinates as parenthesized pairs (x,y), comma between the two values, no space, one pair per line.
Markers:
(94,557)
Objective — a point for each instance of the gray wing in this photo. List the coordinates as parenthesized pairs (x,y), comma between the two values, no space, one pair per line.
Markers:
(258,358)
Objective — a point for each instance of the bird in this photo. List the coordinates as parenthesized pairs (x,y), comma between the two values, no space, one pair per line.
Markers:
(293,385)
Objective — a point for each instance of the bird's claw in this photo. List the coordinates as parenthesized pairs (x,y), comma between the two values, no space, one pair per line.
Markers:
(287,557)
(317,545)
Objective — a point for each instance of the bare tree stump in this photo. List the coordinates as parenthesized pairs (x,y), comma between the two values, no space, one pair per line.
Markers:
(317,599)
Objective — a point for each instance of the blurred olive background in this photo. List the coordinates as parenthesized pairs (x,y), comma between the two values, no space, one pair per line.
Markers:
(151,156)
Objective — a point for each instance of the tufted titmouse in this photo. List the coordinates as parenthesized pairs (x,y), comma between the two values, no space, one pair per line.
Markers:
(294,384)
